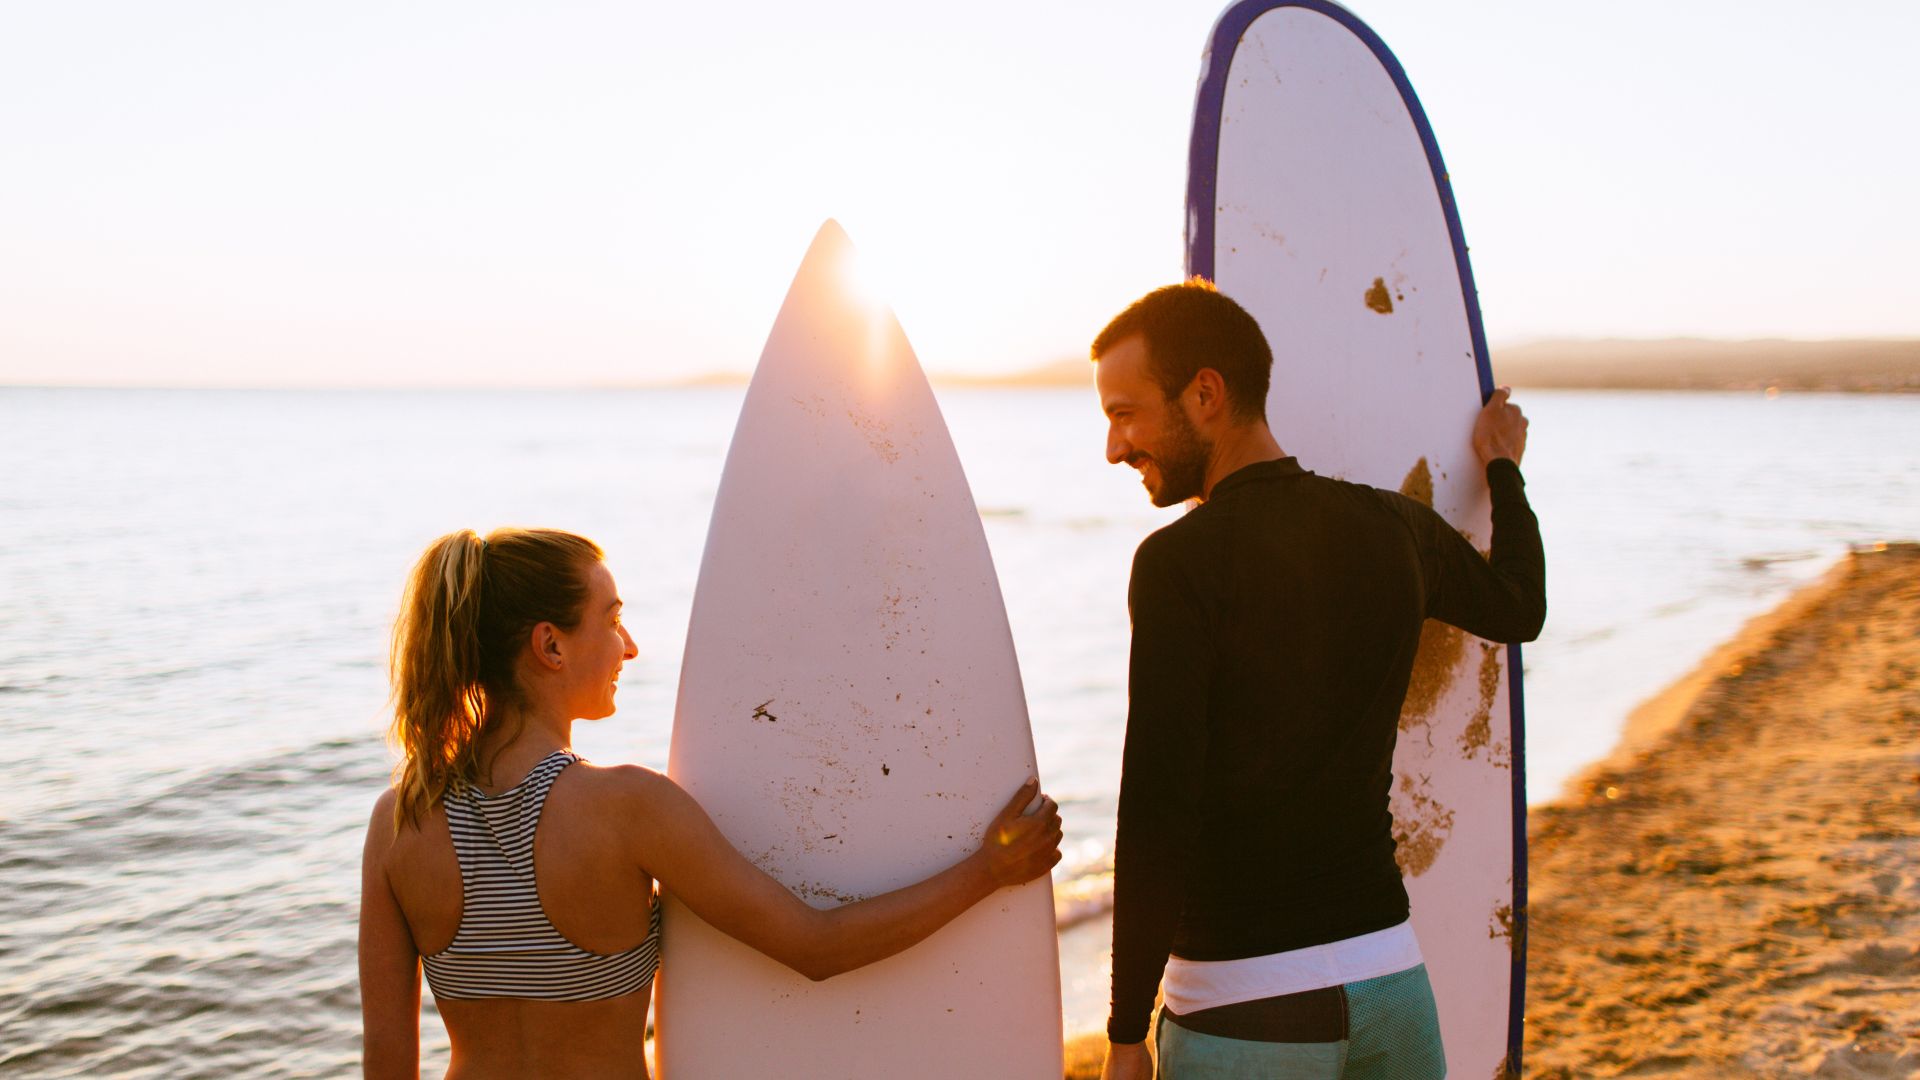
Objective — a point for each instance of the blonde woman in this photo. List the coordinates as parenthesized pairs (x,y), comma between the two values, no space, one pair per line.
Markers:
(502,643)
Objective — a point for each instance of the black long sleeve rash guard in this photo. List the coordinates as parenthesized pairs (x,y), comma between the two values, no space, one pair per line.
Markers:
(1274,633)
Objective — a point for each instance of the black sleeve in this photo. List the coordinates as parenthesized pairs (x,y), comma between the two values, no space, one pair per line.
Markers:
(1502,597)
(1169,674)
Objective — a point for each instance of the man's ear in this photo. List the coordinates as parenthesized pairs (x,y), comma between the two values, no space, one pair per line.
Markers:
(1208,392)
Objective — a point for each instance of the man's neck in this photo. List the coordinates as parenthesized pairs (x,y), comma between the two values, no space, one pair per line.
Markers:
(1238,447)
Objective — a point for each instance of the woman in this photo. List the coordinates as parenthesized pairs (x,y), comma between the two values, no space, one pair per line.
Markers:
(500,645)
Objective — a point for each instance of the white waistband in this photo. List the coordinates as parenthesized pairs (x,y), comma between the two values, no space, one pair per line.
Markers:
(1192,985)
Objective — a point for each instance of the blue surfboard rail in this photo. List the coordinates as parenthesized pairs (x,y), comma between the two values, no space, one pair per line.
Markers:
(1203,158)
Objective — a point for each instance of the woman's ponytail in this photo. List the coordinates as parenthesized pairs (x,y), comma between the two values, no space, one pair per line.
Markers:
(468,603)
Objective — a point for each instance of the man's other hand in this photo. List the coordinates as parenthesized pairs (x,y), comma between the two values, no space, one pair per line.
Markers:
(1500,431)
(1127,1061)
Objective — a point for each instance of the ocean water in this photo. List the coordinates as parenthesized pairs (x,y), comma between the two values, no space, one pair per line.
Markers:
(196,586)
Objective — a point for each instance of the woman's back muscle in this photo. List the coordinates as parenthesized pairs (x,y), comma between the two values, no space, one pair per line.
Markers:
(591,891)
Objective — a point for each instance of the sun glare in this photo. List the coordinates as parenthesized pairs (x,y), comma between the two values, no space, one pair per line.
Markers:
(862,281)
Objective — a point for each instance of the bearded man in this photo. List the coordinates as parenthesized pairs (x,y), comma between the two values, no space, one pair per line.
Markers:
(1274,633)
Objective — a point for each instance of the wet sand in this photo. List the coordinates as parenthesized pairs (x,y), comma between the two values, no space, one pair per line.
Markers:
(1737,891)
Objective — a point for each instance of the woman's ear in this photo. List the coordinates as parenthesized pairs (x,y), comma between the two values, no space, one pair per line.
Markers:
(546,646)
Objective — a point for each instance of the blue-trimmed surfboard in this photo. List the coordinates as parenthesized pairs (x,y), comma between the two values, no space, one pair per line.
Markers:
(1316,198)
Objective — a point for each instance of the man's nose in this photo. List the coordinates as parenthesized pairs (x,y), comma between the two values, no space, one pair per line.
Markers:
(1118,450)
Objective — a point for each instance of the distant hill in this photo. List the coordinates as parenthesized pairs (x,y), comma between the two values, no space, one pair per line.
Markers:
(1072,371)
(1890,365)
(1873,365)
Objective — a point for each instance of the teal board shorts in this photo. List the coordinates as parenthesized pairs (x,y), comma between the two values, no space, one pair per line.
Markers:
(1376,1029)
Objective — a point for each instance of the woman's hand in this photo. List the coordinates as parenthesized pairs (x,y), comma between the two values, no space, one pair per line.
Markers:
(1020,845)
(674,841)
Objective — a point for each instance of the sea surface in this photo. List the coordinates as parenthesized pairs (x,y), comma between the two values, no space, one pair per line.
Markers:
(196,589)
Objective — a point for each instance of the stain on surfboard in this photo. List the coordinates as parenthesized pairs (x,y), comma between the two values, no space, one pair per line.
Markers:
(1378,299)
(1421,825)
(1478,735)
(1503,925)
(1441,645)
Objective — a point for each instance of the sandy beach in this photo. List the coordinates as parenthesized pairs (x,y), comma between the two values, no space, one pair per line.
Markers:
(1736,890)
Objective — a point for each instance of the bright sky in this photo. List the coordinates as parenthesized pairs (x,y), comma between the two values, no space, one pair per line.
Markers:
(440,192)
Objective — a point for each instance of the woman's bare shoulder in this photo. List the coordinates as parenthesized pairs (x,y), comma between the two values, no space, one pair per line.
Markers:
(382,836)
(381,823)
(627,784)
(389,834)
(643,807)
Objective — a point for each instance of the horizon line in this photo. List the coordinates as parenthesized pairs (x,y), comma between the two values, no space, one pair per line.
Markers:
(1058,372)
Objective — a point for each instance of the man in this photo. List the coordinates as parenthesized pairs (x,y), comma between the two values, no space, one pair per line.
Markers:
(1274,632)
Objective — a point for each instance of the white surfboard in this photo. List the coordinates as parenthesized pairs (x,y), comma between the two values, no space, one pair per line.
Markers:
(852,716)
(1317,199)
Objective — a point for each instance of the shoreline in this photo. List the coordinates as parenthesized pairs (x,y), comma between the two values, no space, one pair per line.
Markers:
(1639,911)
(1655,716)
(1735,890)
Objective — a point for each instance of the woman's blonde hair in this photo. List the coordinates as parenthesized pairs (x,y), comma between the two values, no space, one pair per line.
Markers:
(466,613)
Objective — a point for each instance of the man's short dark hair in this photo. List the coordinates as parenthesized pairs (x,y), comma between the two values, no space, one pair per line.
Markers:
(1194,325)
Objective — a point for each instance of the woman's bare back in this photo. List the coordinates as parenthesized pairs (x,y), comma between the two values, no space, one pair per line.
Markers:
(592,892)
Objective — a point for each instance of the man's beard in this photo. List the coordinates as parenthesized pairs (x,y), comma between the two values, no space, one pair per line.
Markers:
(1182,460)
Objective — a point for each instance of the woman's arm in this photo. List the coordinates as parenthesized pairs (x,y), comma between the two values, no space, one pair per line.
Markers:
(389,963)
(686,852)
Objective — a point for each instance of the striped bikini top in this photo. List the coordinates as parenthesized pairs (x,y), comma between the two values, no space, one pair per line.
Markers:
(504,946)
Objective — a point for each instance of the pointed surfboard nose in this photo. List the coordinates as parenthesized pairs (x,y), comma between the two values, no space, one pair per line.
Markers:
(838,382)
(830,237)
(850,714)
(830,254)
(834,323)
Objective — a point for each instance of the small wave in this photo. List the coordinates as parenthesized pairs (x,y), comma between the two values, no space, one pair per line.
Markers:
(1083,896)
(1765,560)
(32,686)
(138,678)
(1676,607)
(1087,524)
(322,765)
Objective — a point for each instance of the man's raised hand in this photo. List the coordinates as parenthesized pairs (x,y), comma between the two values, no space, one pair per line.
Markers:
(1501,430)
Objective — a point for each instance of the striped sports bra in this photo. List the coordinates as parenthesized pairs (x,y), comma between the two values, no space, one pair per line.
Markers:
(504,946)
